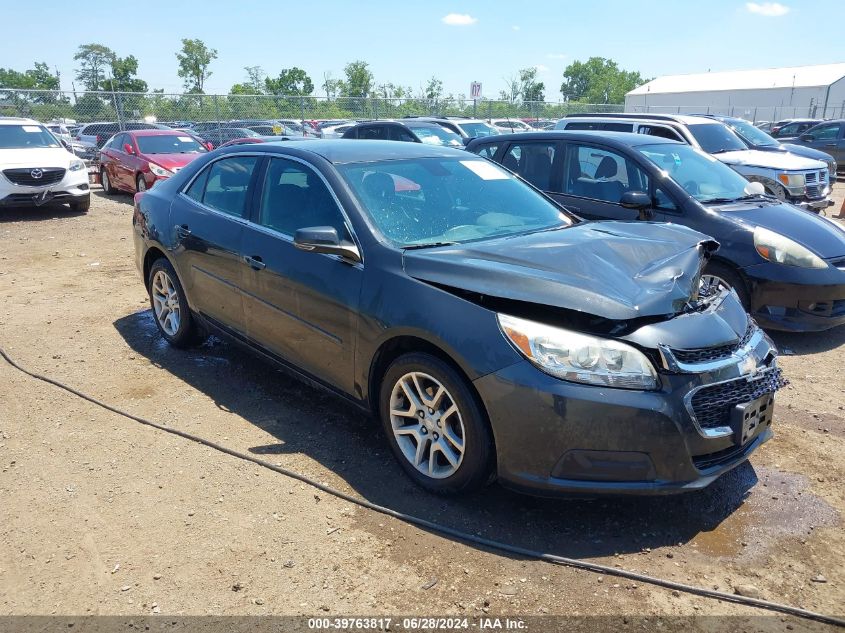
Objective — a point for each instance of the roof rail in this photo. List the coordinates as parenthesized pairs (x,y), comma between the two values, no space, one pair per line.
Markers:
(625,115)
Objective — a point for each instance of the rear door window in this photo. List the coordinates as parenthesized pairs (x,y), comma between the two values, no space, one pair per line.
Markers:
(827,132)
(225,184)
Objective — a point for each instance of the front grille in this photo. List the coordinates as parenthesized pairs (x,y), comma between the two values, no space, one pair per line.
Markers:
(815,183)
(713,353)
(35,176)
(712,405)
(703,462)
(811,177)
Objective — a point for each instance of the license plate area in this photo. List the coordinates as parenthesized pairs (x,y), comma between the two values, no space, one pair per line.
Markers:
(749,419)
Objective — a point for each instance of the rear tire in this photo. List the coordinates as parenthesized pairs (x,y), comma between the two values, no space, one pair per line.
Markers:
(435,425)
(171,312)
(105,181)
(81,206)
(717,275)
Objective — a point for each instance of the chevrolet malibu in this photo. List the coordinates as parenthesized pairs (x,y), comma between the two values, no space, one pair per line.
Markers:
(492,333)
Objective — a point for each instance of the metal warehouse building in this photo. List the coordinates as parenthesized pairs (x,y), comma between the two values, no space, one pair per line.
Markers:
(758,95)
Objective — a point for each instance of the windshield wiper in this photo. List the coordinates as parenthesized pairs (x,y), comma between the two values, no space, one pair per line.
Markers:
(409,247)
(725,149)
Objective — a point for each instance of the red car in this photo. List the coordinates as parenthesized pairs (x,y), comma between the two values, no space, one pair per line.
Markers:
(133,161)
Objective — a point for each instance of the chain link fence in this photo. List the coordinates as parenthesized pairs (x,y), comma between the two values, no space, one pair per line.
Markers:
(85,107)
(183,109)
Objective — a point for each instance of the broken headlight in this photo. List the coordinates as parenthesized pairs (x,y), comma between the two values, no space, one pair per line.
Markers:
(580,357)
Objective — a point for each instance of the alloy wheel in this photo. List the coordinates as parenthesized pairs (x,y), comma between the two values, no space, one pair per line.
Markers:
(166,303)
(427,425)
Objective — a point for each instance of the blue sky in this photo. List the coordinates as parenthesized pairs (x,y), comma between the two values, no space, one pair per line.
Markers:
(408,42)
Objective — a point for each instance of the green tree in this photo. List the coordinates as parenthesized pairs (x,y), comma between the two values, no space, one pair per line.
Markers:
(254,85)
(434,89)
(511,93)
(529,87)
(598,80)
(94,60)
(290,82)
(123,79)
(194,60)
(359,80)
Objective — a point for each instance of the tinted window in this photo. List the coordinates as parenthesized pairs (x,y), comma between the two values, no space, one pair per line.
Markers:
(790,130)
(487,151)
(401,134)
(601,174)
(427,200)
(295,197)
(478,130)
(436,135)
(117,142)
(373,132)
(826,132)
(716,138)
(226,185)
(660,131)
(532,161)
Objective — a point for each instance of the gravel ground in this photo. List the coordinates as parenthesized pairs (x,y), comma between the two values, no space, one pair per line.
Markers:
(101,515)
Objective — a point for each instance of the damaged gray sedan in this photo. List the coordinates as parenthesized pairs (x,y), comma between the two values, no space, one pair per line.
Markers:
(492,333)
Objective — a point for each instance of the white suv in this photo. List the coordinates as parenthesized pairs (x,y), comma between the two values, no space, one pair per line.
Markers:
(36,168)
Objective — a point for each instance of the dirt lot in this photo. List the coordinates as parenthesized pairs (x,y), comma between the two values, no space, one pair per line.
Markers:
(101,515)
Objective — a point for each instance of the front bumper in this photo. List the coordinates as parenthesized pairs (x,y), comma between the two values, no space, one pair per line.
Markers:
(796,299)
(814,205)
(557,438)
(74,186)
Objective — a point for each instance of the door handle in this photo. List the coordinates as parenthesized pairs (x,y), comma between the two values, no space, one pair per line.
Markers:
(254,262)
(182,231)
(830,145)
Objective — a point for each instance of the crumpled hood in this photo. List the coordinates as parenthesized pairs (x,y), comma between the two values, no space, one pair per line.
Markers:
(36,157)
(774,160)
(615,270)
(173,162)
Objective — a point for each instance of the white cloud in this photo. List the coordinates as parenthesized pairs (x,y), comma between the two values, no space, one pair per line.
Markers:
(515,27)
(556,56)
(541,68)
(458,19)
(768,9)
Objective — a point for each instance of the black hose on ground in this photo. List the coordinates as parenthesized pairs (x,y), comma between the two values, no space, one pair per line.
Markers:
(435,527)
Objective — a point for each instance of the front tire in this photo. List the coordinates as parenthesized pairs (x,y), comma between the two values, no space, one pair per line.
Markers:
(435,426)
(140,184)
(170,305)
(105,181)
(81,206)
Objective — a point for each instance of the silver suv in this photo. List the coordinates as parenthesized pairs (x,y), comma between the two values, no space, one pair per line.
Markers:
(801,181)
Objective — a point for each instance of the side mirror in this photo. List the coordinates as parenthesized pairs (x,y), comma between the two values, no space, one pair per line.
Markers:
(128,148)
(807,137)
(324,239)
(635,200)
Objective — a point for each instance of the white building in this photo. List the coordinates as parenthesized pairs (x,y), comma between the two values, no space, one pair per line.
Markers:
(758,95)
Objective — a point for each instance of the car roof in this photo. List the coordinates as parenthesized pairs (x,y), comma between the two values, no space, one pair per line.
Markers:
(14,120)
(156,132)
(613,139)
(340,151)
(686,119)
